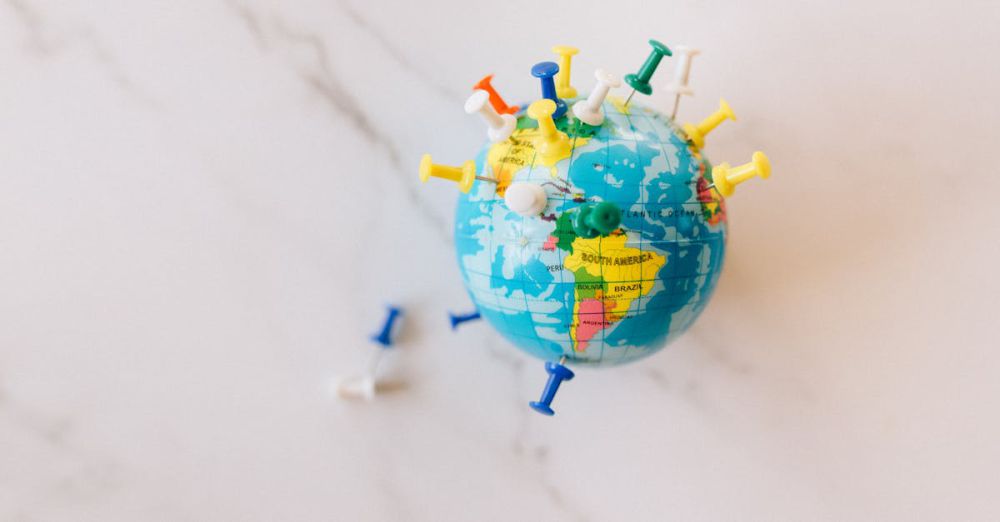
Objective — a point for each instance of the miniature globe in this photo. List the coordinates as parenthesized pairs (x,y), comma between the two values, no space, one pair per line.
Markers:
(603,300)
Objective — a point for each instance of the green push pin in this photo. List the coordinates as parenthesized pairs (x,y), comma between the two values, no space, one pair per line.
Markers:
(597,220)
(640,80)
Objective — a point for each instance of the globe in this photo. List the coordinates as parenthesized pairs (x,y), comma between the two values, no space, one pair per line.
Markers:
(604,300)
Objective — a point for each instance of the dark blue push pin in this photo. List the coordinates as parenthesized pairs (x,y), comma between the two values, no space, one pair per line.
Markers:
(459,319)
(384,337)
(546,72)
(557,374)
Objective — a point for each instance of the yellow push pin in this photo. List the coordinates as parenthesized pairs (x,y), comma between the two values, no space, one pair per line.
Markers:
(465,175)
(697,133)
(725,178)
(550,143)
(563,88)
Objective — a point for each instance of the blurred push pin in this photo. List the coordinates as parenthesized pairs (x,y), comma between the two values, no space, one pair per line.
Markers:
(682,73)
(557,374)
(525,199)
(589,111)
(597,220)
(462,318)
(362,386)
(725,178)
(550,143)
(640,80)
(545,71)
(697,133)
(384,337)
(566,53)
(496,101)
(501,126)
(464,175)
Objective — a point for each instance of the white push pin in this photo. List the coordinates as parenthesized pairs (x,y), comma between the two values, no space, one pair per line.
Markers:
(362,385)
(679,86)
(525,199)
(589,111)
(501,126)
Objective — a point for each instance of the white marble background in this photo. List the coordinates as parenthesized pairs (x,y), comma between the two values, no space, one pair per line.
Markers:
(205,204)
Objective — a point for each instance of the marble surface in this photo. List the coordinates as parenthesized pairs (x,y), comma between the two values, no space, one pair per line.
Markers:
(205,205)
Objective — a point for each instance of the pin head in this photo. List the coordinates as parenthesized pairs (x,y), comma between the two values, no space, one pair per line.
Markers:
(726,110)
(545,69)
(660,48)
(525,199)
(607,78)
(541,109)
(425,167)
(484,83)
(761,164)
(690,51)
(477,101)
(565,50)
(605,217)
(597,220)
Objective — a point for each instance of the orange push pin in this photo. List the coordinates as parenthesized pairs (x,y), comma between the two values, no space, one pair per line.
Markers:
(495,100)
(465,175)
(725,178)
(697,133)
(563,88)
(550,143)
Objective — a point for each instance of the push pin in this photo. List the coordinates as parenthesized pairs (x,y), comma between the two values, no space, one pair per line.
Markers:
(589,111)
(597,220)
(557,374)
(551,143)
(697,133)
(525,199)
(545,71)
(496,101)
(563,88)
(682,73)
(362,386)
(464,175)
(501,126)
(640,80)
(384,337)
(725,178)
(459,319)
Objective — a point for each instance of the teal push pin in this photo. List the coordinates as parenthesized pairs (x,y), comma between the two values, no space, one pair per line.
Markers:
(640,80)
(597,220)
(557,374)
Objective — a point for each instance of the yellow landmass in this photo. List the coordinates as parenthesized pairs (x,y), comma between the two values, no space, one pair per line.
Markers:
(508,157)
(618,103)
(627,273)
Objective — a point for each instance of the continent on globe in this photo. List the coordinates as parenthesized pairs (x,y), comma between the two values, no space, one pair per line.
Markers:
(592,243)
(609,276)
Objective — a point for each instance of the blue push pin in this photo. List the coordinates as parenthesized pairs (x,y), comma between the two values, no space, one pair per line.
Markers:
(557,374)
(459,319)
(546,72)
(384,337)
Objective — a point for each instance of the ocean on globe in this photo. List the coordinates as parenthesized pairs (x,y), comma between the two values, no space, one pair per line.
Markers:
(605,300)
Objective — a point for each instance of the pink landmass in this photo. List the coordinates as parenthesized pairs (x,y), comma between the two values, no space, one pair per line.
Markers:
(550,243)
(589,324)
